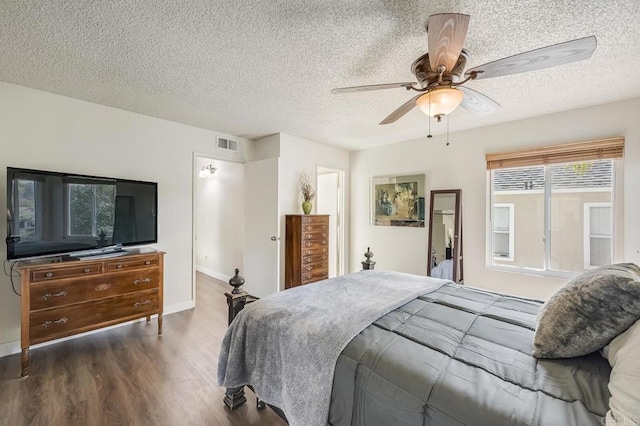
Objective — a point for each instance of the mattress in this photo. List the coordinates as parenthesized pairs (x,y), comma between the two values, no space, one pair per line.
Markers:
(462,356)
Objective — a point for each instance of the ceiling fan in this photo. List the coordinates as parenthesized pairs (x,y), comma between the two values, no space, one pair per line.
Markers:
(441,73)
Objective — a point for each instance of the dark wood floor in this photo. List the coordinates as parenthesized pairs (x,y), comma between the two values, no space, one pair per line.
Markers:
(129,376)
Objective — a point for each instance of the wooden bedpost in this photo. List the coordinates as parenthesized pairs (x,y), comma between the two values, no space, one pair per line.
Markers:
(368,263)
(236,299)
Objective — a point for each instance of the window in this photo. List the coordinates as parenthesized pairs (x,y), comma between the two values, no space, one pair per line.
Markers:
(564,221)
(503,231)
(90,209)
(597,234)
(27,200)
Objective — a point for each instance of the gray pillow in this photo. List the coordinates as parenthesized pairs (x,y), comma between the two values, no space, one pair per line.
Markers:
(588,312)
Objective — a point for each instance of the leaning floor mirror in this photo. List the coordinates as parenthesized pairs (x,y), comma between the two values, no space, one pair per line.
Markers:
(445,235)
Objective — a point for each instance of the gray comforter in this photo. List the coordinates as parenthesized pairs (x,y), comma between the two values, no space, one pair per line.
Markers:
(462,356)
(286,345)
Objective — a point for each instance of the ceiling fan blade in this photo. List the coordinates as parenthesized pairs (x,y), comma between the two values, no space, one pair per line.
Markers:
(545,57)
(446,33)
(370,87)
(404,108)
(476,102)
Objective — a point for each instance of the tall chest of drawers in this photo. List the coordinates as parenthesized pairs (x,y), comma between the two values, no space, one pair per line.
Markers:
(306,249)
(64,298)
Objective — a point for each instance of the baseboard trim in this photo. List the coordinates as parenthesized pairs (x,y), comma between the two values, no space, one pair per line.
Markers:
(11,348)
(213,274)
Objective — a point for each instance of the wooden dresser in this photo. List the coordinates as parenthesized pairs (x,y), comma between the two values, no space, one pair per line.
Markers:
(62,298)
(306,249)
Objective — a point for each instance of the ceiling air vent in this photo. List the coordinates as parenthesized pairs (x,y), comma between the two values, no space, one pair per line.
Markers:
(228,144)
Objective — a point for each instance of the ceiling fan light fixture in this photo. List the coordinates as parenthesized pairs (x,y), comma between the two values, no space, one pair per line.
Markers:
(440,101)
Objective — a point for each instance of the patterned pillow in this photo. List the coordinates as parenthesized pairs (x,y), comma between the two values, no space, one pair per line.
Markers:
(588,312)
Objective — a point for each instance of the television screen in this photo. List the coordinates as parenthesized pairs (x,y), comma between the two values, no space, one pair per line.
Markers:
(51,213)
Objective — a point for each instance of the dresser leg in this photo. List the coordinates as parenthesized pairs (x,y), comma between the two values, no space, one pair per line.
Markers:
(148,319)
(25,362)
(159,324)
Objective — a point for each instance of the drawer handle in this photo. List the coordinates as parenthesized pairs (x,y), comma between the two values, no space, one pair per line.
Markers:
(103,287)
(49,295)
(308,244)
(144,302)
(147,262)
(86,270)
(119,266)
(48,274)
(324,264)
(142,280)
(307,276)
(308,259)
(308,268)
(309,236)
(324,241)
(47,324)
(309,227)
(324,257)
(324,227)
(324,249)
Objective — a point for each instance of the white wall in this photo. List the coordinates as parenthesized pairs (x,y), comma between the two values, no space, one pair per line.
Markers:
(462,165)
(45,131)
(295,155)
(219,218)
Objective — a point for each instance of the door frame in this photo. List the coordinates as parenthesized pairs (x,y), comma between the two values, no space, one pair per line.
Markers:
(341,257)
(194,211)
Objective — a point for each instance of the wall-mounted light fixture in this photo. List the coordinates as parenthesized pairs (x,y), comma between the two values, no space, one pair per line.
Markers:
(207,171)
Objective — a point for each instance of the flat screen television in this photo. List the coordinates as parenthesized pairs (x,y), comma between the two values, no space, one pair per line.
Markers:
(53,213)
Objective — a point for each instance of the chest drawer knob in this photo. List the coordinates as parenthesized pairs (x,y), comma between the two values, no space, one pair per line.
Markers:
(119,266)
(147,262)
(49,295)
(141,280)
(103,287)
(142,303)
(47,324)
(48,274)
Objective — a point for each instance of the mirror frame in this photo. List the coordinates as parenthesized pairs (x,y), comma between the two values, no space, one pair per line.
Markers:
(457,233)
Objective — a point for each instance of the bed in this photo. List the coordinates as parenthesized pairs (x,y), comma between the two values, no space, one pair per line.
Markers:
(438,354)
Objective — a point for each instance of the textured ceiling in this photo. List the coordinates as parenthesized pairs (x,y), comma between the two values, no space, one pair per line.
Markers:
(253,68)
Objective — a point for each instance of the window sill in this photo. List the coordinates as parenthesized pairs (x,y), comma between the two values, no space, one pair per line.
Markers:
(533,271)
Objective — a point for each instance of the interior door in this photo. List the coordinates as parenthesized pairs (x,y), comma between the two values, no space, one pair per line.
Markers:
(262,228)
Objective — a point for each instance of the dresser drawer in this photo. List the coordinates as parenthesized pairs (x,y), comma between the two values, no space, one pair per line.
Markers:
(124,264)
(315,268)
(315,219)
(315,259)
(314,274)
(53,323)
(314,249)
(314,244)
(55,273)
(316,235)
(315,227)
(51,294)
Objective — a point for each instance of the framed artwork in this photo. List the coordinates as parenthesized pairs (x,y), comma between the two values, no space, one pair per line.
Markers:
(398,200)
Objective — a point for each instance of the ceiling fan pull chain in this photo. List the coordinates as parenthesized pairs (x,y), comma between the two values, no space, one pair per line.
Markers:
(447,129)
(429,136)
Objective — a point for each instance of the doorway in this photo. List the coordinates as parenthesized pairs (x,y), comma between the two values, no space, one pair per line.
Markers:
(330,188)
(218,217)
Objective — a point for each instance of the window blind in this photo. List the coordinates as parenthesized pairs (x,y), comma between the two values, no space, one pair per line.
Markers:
(600,149)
